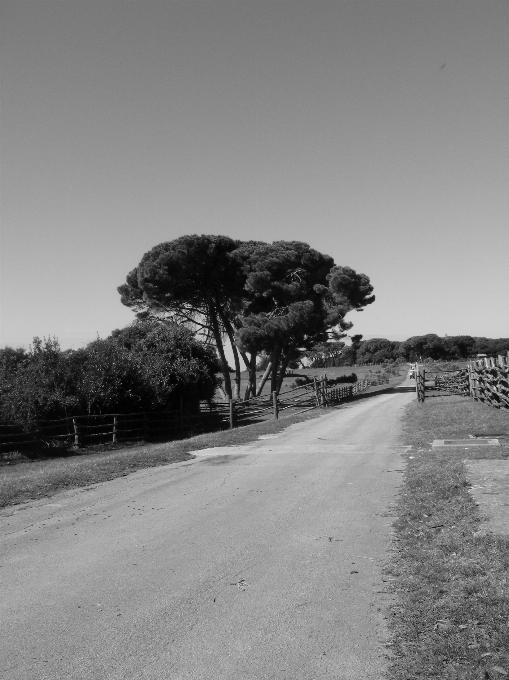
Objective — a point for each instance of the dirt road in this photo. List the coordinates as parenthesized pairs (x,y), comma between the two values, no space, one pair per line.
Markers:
(254,562)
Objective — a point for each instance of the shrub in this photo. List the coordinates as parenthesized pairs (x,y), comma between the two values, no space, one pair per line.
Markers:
(143,367)
(351,378)
(300,382)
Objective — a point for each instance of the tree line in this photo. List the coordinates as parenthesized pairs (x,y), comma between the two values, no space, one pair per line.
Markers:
(416,348)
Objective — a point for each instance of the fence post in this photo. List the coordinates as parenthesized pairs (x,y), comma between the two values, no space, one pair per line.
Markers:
(115,429)
(230,404)
(76,433)
(317,395)
(470,381)
(420,383)
(274,402)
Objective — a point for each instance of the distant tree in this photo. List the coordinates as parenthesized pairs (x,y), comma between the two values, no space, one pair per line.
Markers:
(326,354)
(491,346)
(377,351)
(420,347)
(355,346)
(459,346)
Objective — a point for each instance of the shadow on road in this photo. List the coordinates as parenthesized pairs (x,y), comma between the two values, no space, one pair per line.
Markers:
(398,389)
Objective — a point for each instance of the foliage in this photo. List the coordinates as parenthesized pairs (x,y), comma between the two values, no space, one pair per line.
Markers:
(274,299)
(39,384)
(110,380)
(490,346)
(296,297)
(327,354)
(304,380)
(193,280)
(143,367)
(421,347)
(377,350)
(347,378)
(172,362)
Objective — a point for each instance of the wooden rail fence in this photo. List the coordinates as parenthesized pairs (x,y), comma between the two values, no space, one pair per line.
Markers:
(112,428)
(489,381)
(485,380)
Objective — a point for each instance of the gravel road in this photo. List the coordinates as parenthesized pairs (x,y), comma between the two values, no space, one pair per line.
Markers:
(252,562)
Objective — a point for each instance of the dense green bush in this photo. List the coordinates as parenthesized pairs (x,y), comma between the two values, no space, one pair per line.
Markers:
(350,378)
(144,367)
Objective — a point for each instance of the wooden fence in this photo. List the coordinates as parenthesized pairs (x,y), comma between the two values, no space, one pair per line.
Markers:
(166,425)
(489,381)
(420,383)
(485,380)
(113,428)
(453,381)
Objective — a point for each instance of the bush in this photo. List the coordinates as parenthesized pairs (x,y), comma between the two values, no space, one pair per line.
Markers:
(300,382)
(351,378)
(143,367)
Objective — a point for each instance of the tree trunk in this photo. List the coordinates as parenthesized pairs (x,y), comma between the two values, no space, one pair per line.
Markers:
(220,348)
(251,387)
(276,354)
(237,372)
(265,376)
(251,369)
(229,331)
(284,365)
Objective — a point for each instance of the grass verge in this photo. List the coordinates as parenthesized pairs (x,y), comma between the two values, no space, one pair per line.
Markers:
(450,575)
(36,479)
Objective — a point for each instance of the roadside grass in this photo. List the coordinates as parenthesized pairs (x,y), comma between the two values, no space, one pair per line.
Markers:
(39,478)
(449,575)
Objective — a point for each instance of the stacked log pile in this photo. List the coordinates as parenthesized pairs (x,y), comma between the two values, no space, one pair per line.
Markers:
(455,382)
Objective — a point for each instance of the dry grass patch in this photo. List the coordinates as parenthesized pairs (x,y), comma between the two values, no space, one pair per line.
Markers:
(451,616)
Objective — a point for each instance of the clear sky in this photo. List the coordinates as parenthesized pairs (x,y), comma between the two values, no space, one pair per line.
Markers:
(378,132)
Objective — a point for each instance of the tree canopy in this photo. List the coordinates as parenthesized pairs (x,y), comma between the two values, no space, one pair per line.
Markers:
(192,280)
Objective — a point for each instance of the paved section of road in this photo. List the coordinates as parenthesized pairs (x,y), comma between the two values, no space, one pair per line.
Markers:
(256,562)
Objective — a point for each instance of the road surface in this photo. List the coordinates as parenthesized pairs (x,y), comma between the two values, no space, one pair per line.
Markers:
(253,562)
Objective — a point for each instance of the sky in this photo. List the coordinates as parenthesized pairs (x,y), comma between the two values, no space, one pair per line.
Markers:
(376,131)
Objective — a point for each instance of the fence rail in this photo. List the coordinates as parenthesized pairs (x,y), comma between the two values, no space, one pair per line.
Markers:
(113,427)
